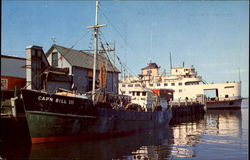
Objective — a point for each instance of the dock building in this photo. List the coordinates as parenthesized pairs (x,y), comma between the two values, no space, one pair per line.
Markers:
(13,75)
(66,68)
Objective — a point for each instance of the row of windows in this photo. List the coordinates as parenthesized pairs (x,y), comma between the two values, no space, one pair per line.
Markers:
(131,85)
(135,93)
(151,85)
(166,84)
(139,93)
(142,93)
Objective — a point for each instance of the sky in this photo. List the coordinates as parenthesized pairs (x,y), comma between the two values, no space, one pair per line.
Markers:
(213,36)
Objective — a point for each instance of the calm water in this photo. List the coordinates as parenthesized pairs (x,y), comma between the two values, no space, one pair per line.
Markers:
(216,135)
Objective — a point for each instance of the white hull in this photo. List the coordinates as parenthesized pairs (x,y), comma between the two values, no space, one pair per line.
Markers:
(227,104)
(187,86)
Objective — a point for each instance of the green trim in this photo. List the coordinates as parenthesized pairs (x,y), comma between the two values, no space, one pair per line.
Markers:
(59,114)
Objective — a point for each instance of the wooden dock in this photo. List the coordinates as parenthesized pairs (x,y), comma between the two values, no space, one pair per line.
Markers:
(187,109)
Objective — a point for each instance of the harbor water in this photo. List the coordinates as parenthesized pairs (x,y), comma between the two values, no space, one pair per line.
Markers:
(219,134)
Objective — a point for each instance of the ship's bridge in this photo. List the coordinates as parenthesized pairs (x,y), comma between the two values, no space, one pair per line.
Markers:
(184,71)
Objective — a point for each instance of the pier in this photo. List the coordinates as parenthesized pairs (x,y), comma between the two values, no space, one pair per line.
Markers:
(187,108)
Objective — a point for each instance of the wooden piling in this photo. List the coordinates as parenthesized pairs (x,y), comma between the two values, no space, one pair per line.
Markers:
(188,108)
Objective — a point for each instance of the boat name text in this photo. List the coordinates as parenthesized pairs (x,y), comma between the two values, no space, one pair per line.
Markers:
(56,100)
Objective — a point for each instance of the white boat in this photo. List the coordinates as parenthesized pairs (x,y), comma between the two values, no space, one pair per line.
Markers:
(150,100)
(187,85)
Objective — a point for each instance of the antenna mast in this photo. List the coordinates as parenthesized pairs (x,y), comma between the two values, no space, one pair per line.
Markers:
(170,61)
(96,29)
(239,75)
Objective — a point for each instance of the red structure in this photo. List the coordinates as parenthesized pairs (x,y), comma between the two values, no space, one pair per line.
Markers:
(166,93)
(13,75)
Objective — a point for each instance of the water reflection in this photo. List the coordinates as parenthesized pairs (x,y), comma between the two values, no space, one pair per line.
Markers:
(224,136)
(219,129)
(148,144)
(224,122)
(186,135)
(210,136)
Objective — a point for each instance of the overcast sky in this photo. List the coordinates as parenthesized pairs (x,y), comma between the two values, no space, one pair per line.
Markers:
(213,36)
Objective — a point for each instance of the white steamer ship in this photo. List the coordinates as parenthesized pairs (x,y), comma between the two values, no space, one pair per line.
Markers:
(187,86)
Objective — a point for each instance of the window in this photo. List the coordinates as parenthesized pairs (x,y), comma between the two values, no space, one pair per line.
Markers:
(158,84)
(180,90)
(172,84)
(226,96)
(151,85)
(144,93)
(124,85)
(54,59)
(229,87)
(180,84)
(133,93)
(137,85)
(138,93)
(130,85)
(149,72)
(165,84)
(4,83)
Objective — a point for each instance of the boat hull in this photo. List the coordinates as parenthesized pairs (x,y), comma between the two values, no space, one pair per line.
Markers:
(56,124)
(226,104)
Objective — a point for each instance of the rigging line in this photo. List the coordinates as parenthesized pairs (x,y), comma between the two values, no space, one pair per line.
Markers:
(125,66)
(117,30)
(118,33)
(128,69)
(122,64)
(69,49)
(107,53)
(104,61)
(90,45)
(105,41)
(80,38)
(107,56)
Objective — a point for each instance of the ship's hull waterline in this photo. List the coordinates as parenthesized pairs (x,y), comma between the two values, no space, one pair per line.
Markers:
(52,118)
(226,104)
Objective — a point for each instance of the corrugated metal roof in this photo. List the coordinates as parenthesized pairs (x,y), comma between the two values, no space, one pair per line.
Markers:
(82,59)
(13,66)
(12,57)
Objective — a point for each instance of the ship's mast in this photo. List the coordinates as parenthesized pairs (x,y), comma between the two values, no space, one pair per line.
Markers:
(96,29)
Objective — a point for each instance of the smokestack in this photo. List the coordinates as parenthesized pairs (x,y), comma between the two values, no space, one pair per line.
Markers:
(183,64)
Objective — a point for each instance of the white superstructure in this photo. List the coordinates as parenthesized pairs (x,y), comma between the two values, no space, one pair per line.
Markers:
(185,82)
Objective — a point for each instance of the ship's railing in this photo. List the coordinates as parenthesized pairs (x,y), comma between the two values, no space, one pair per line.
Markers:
(180,102)
(223,98)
